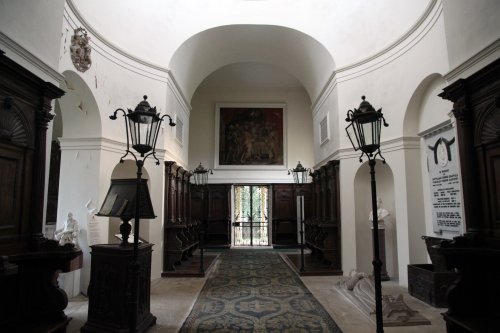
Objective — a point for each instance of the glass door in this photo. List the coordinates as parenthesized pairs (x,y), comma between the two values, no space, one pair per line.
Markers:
(251,215)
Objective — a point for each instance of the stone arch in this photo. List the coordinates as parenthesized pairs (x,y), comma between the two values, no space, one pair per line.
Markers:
(411,122)
(80,113)
(76,118)
(425,111)
(363,206)
(298,54)
(76,127)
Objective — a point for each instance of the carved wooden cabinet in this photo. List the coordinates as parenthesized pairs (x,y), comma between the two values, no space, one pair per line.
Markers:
(110,289)
(31,300)
(473,304)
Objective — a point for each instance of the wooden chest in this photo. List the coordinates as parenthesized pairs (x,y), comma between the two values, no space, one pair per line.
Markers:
(428,285)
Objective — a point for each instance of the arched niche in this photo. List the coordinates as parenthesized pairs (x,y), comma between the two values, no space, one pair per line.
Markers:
(426,111)
(79,109)
(125,170)
(363,206)
(419,114)
(306,58)
(76,120)
(75,127)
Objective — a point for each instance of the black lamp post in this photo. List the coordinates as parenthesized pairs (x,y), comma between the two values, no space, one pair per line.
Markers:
(142,126)
(201,179)
(300,177)
(364,133)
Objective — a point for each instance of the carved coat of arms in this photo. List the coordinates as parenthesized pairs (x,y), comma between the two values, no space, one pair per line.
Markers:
(80,50)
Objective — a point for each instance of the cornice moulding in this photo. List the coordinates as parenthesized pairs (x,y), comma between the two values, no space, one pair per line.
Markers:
(33,60)
(407,40)
(124,59)
(103,40)
(472,61)
(386,146)
(392,52)
(104,145)
(441,127)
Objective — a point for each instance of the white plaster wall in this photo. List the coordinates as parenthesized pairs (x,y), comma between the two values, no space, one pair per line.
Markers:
(36,26)
(328,108)
(116,82)
(299,132)
(350,30)
(470,27)
(347,172)
(416,215)
(79,182)
(389,87)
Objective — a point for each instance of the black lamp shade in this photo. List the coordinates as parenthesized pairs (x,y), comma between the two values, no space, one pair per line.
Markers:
(121,200)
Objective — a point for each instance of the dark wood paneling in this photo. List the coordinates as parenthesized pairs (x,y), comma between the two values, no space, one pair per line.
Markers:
(29,264)
(11,169)
(218,223)
(180,231)
(322,228)
(284,202)
(284,213)
(473,299)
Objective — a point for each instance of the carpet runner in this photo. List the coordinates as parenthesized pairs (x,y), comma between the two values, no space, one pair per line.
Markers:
(256,291)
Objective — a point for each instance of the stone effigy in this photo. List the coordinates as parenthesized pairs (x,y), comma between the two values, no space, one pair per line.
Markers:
(359,288)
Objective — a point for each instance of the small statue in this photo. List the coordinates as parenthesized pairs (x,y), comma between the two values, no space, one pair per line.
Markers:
(381,212)
(68,234)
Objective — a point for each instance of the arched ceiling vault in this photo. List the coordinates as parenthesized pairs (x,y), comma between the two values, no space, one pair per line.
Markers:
(195,38)
(290,50)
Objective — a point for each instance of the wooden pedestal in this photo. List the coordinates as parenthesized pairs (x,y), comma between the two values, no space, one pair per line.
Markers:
(110,287)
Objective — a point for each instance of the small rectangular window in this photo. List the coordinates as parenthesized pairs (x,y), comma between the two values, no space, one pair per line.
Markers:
(323,130)
(179,129)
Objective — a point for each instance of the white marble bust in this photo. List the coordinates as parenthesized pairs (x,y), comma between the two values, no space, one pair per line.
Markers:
(381,212)
(68,234)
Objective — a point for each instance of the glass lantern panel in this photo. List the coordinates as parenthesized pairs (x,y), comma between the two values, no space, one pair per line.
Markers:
(368,134)
(352,135)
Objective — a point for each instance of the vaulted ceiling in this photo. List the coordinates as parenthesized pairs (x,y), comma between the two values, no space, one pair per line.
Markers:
(306,39)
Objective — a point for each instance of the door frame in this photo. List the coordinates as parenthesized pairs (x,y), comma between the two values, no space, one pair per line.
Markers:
(270,209)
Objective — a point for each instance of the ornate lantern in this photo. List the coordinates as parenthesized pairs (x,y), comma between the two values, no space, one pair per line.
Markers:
(299,174)
(201,175)
(142,126)
(364,128)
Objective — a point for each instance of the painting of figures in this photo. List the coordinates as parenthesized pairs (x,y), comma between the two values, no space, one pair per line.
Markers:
(251,136)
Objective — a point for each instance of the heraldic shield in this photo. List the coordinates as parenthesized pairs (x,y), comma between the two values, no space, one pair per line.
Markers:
(80,50)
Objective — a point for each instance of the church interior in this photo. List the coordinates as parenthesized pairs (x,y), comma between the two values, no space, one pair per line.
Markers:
(351,146)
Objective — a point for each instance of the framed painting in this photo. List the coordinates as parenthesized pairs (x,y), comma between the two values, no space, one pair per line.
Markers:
(250,136)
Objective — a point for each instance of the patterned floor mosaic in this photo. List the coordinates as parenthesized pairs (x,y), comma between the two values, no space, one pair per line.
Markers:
(256,291)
